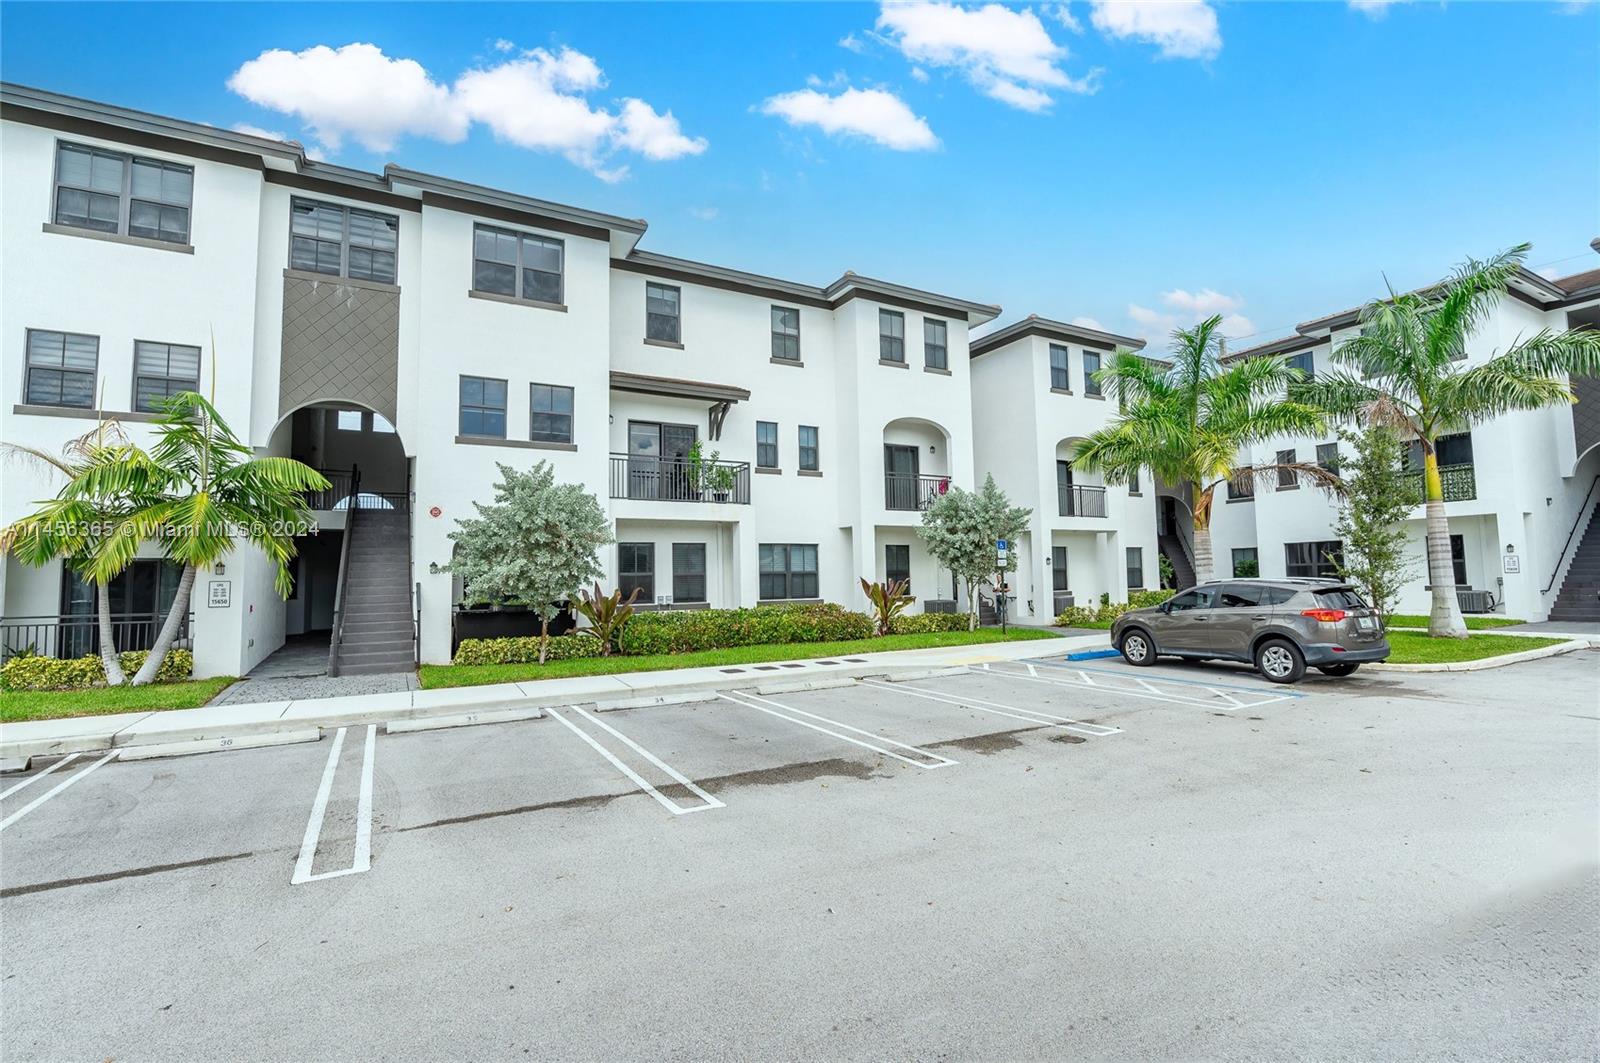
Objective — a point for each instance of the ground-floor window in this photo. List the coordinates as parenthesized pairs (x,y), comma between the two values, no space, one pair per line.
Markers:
(897,563)
(688,572)
(1135,568)
(1318,560)
(1058,568)
(636,570)
(1246,564)
(1458,559)
(788,570)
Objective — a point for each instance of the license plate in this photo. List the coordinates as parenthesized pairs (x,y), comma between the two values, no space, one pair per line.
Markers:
(1366,623)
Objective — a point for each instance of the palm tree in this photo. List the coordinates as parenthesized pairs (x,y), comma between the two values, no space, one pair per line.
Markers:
(1407,371)
(73,525)
(1189,423)
(196,491)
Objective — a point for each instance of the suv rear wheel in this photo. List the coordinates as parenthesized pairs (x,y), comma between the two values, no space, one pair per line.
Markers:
(1280,661)
(1137,649)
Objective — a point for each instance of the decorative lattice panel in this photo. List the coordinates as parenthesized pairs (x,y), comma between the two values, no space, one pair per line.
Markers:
(340,341)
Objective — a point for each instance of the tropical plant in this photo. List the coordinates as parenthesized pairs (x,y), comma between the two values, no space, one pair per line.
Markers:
(607,614)
(960,529)
(1372,513)
(1408,371)
(889,599)
(1190,423)
(537,543)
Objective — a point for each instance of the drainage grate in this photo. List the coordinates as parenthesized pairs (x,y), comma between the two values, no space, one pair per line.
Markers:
(855,660)
(791,666)
(824,662)
(766,668)
(732,671)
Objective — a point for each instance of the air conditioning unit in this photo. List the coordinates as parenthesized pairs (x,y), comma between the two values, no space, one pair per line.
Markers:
(1063,600)
(938,605)
(664,601)
(1472,601)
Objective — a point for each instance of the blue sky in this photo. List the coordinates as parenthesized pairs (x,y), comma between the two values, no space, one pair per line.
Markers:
(1135,165)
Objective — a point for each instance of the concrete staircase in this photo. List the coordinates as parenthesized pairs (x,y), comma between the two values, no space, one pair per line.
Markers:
(377,624)
(1579,599)
(1172,549)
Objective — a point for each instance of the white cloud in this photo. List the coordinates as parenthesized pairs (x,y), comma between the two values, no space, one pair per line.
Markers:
(1374,9)
(1182,29)
(704,213)
(919,74)
(1006,54)
(256,131)
(538,100)
(1062,13)
(851,43)
(875,114)
(1088,322)
(1181,309)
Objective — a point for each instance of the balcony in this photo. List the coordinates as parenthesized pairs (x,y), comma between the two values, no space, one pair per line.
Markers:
(1460,484)
(1076,501)
(903,491)
(679,480)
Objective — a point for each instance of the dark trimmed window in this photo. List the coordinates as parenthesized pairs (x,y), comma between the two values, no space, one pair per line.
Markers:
(767,444)
(1058,569)
(162,370)
(810,458)
(517,264)
(483,407)
(1091,366)
(110,192)
(688,572)
(788,570)
(1133,483)
(1059,378)
(1458,559)
(1287,478)
(1241,487)
(636,570)
(1317,560)
(935,343)
(550,414)
(342,241)
(786,333)
(61,369)
(897,564)
(891,336)
(1135,568)
(1246,565)
(1303,362)
(1328,456)
(663,318)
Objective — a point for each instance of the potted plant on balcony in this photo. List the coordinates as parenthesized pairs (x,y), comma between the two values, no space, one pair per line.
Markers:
(721,480)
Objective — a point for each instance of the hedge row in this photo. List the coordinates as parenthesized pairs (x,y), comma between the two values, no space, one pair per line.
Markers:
(33,672)
(684,631)
(525,650)
(1107,611)
(920,623)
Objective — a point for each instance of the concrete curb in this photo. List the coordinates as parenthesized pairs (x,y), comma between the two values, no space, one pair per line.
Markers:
(1493,662)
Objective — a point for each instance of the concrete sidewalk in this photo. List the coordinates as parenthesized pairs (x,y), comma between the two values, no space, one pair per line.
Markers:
(216,727)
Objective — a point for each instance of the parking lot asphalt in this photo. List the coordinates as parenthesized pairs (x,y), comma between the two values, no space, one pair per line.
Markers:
(1056,859)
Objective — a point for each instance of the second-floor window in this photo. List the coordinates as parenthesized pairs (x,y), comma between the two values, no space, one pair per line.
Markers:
(115,193)
(809,454)
(1241,486)
(1133,483)
(1059,380)
(767,444)
(663,318)
(162,370)
(786,333)
(891,336)
(342,241)
(61,369)
(483,407)
(517,264)
(550,417)
(1091,366)
(1287,478)
(1303,362)
(935,343)
(1328,456)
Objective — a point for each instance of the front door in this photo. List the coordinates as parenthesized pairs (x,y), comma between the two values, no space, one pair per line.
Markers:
(899,476)
(140,597)
(1065,507)
(677,441)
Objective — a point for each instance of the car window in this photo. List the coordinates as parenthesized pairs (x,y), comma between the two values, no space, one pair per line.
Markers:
(1276,595)
(1341,598)
(1239,596)
(1199,598)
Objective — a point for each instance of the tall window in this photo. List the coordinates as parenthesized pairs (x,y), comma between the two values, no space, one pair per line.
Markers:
(162,370)
(1135,568)
(483,407)
(1059,380)
(1091,366)
(1458,559)
(61,369)
(1246,565)
(550,416)
(767,444)
(636,570)
(897,564)
(1058,569)
(787,570)
(688,572)
(516,264)
(1328,456)
(1318,560)
(1133,483)
(809,455)
(342,241)
(891,336)
(1287,478)
(115,193)
(786,333)
(1303,362)
(935,343)
(662,313)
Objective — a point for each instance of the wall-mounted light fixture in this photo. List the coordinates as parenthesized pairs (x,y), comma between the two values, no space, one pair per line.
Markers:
(433,568)
(221,569)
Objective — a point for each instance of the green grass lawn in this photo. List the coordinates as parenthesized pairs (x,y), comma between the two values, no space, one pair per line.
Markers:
(435,676)
(1474,623)
(1413,647)
(19,705)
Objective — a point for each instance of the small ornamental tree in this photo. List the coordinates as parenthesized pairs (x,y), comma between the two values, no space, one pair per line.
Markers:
(1377,499)
(960,529)
(538,543)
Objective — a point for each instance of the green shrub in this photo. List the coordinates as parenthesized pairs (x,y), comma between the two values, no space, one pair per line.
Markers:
(81,673)
(689,631)
(1078,616)
(1107,610)
(920,623)
(1145,599)
(525,650)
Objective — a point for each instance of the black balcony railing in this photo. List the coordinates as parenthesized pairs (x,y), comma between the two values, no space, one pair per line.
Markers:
(675,480)
(1460,483)
(1075,501)
(907,492)
(341,484)
(76,635)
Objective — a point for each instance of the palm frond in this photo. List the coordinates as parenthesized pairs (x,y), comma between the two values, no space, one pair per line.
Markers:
(1498,386)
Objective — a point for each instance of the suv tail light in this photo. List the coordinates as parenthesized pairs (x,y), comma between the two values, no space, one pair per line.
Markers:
(1327,616)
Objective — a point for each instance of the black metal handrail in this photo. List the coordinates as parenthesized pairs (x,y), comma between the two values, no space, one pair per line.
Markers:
(1460,484)
(341,486)
(1583,510)
(70,635)
(337,635)
(679,480)
(1087,500)
(903,491)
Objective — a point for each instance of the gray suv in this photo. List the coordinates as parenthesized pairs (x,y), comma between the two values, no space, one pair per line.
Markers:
(1279,625)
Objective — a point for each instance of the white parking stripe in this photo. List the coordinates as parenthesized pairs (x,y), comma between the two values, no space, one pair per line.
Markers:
(637,779)
(319,811)
(1149,692)
(940,762)
(56,789)
(651,757)
(63,762)
(1015,712)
